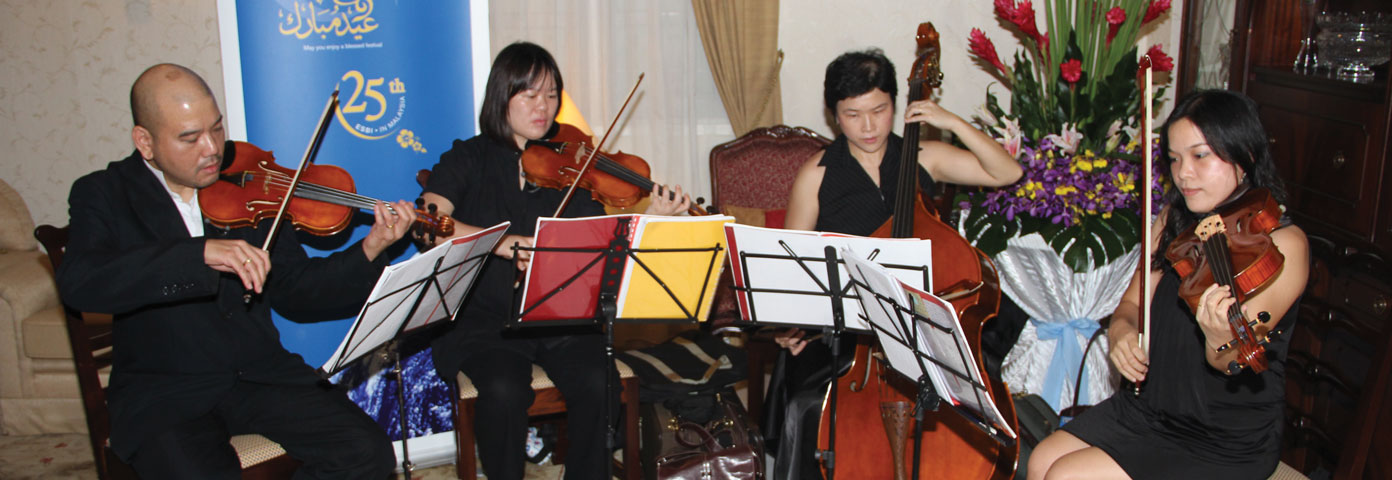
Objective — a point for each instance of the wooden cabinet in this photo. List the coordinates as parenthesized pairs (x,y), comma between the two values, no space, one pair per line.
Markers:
(1329,141)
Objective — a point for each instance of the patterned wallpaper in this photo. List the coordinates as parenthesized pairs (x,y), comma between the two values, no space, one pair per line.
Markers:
(65,73)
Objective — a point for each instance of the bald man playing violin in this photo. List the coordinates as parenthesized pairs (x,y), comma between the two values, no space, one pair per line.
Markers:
(194,363)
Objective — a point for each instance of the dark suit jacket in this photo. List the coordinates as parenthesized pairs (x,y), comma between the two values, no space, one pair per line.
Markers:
(182,334)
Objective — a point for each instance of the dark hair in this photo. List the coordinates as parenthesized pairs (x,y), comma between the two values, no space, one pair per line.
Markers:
(854,73)
(517,68)
(1230,125)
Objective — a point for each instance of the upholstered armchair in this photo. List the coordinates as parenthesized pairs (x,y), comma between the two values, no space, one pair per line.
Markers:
(751,177)
(38,389)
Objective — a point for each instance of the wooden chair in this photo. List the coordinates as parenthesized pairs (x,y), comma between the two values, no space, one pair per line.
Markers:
(548,402)
(751,178)
(90,337)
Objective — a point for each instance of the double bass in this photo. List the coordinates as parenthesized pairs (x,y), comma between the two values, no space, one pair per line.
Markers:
(870,395)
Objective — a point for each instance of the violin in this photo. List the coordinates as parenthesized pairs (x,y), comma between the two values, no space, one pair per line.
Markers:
(1232,247)
(618,179)
(250,188)
(955,447)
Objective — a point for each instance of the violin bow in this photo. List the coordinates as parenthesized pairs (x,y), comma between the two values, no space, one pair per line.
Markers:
(310,152)
(590,159)
(1147,255)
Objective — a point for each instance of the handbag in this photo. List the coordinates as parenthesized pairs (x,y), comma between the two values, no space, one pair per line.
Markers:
(723,448)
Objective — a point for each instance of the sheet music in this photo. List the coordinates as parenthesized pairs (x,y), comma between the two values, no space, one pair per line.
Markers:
(942,339)
(757,248)
(691,276)
(385,314)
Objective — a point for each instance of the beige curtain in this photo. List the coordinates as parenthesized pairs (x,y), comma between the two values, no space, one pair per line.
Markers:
(741,42)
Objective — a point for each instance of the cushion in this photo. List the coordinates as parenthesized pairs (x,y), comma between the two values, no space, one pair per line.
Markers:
(756,217)
(16,226)
(255,449)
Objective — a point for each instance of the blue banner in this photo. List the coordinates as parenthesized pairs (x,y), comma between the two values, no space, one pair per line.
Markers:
(404,76)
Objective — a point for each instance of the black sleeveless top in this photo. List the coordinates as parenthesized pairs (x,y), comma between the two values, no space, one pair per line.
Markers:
(848,200)
(1222,426)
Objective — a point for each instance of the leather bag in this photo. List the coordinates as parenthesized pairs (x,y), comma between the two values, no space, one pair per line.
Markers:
(724,448)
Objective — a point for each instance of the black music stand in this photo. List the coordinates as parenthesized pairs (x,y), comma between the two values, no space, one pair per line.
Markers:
(408,296)
(606,285)
(796,250)
(922,339)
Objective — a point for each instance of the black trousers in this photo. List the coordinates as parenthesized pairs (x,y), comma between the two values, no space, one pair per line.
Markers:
(315,424)
(502,372)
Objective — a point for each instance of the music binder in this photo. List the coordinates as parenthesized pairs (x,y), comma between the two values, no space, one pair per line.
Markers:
(667,268)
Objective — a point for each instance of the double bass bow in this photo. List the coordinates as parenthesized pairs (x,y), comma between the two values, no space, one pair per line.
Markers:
(952,445)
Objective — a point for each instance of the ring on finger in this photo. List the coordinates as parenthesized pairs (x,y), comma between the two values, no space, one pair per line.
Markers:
(246,261)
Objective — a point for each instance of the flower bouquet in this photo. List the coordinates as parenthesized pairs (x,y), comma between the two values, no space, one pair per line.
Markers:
(1073,123)
(1064,236)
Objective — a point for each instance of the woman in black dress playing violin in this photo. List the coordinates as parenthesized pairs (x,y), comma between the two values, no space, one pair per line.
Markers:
(1194,417)
(479,182)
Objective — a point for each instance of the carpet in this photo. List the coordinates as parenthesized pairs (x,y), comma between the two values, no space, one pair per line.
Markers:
(68,456)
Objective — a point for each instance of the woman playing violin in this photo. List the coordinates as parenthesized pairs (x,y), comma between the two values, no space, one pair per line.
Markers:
(479,182)
(1194,417)
(849,187)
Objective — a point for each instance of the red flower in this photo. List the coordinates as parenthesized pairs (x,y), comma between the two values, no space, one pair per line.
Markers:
(984,49)
(1155,8)
(1115,17)
(1071,70)
(1022,16)
(1158,60)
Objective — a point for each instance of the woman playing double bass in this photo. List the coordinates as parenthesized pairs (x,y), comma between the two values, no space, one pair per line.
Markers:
(849,187)
(479,182)
(1195,417)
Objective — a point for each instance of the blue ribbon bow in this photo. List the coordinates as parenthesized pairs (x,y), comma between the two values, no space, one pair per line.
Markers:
(1068,356)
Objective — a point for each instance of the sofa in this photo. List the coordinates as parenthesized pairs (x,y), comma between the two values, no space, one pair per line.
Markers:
(38,387)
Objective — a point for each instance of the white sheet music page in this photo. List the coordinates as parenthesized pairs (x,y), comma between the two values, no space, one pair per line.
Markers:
(761,261)
(385,314)
(939,337)
(893,327)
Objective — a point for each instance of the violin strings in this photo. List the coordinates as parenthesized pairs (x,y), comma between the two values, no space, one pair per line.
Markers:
(333,195)
(1220,264)
(618,170)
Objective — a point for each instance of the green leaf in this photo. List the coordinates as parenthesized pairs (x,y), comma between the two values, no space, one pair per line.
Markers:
(1103,232)
(992,240)
(976,221)
(1127,226)
(1031,224)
